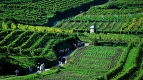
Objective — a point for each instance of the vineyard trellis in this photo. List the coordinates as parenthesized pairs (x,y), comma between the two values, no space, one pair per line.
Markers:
(119,23)
(37,12)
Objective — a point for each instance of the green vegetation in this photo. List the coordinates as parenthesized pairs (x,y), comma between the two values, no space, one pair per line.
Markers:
(111,24)
(89,62)
(35,12)
(119,7)
(116,16)
(23,47)
(32,76)
(114,53)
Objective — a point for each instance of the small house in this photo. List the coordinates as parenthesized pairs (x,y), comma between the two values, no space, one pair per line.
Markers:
(92,29)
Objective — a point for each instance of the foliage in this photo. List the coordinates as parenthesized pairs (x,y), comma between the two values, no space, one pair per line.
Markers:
(35,12)
(118,22)
(122,24)
(88,63)
(123,38)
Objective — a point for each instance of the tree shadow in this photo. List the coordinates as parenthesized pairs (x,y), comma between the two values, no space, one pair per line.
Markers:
(8,68)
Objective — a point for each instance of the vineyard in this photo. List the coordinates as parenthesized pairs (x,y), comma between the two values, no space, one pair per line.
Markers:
(33,31)
(87,64)
(103,24)
(20,42)
(35,12)
(119,7)
(112,17)
(32,46)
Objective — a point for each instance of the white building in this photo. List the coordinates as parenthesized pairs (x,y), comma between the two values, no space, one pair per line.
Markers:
(92,29)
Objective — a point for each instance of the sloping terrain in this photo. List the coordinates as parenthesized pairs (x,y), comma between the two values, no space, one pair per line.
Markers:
(88,63)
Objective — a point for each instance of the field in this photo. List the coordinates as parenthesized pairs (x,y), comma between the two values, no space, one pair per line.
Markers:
(89,62)
(35,12)
(33,31)
(111,17)
(111,26)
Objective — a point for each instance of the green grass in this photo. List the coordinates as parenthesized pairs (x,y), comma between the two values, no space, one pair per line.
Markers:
(34,76)
(130,59)
(24,61)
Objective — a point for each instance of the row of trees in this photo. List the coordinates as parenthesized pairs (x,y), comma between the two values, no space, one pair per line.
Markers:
(108,18)
(13,26)
(134,25)
(113,37)
(95,11)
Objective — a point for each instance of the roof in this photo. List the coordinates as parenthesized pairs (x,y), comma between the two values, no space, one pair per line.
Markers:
(92,27)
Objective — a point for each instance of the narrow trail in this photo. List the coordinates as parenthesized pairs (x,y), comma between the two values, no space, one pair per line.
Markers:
(65,56)
(46,69)
(86,44)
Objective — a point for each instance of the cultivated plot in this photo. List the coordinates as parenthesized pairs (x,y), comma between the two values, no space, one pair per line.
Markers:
(89,62)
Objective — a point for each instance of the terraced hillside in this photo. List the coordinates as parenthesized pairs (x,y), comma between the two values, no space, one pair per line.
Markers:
(129,66)
(36,12)
(131,25)
(114,53)
(32,46)
(114,16)
(119,7)
(88,63)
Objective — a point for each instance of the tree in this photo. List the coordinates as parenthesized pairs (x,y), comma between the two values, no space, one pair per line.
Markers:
(13,26)
(4,25)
